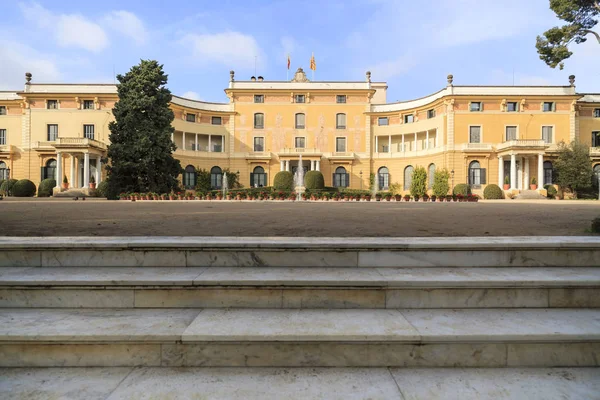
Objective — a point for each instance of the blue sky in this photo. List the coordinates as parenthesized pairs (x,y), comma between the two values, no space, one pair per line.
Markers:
(410,45)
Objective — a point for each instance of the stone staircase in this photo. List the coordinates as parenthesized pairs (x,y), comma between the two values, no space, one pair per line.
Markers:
(530,195)
(388,305)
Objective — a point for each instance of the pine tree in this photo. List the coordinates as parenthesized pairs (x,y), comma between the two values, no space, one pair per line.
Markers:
(140,154)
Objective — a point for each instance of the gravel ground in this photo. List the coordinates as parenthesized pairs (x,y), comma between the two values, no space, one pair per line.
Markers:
(66,217)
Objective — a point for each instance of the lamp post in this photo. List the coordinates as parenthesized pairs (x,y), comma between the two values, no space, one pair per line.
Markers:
(452,174)
(361,179)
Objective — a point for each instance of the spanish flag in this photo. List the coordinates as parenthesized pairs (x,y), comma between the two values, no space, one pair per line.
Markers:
(313,64)
(288,61)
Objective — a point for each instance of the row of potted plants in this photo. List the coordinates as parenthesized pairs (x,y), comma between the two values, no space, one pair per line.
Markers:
(294,196)
(532,185)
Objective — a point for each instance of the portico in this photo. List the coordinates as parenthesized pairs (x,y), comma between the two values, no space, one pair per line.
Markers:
(289,159)
(515,159)
(85,161)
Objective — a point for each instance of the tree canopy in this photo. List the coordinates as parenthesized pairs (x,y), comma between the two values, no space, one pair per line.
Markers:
(140,154)
(580,15)
(573,167)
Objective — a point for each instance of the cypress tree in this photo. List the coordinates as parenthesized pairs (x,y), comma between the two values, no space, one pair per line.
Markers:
(140,154)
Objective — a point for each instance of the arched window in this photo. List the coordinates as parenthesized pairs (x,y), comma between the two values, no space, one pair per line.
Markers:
(3,170)
(548,173)
(258,178)
(49,171)
(340,121)
(341,178)
(259,121)
(189,177)
(596,176)
(216,178)
(430,175)
(408,173)
(300,121)
(476,174)
(383,178)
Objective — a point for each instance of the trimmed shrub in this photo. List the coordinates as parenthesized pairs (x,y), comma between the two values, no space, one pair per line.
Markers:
(418,185)
(101,189)
(7,185)
(493,192)
(1,182)
(462,188)
(284,180)
(314,180)
(23,188)
(46,187)
(550,191)
(441,187)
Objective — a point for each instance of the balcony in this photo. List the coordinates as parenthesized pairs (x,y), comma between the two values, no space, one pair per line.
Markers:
(66,142)
(201,154)
(408,153)
(300,150)
(471,147)
(259,155)
(524,144)
(595,151)
(6,148)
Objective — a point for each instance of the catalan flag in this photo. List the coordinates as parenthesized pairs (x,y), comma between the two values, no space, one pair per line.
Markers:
(313,64)
(288,61)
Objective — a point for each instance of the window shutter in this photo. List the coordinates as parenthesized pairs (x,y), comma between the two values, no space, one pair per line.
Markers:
(266,180)
(482,176)
(347,180)
(553,106)
(481,106)
(251,179)
(43,173)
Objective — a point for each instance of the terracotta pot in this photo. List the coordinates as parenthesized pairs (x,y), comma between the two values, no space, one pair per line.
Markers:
(171,197)
(65,185)
(533,187)
(506,186)
(92,186)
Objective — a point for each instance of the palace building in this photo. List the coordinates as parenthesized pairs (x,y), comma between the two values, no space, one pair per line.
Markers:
(347,130)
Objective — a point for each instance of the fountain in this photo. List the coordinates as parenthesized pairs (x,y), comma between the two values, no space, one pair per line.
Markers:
(299,187)
(225,188)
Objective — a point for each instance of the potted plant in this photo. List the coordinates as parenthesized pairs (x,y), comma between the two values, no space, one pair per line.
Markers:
(171,196)
(433,198)
(92,182)
(417,197)
(155,196)
(388,197)
(506,183)
(65,183)
(425,197)
(460,198)
(533,185)
(407,197)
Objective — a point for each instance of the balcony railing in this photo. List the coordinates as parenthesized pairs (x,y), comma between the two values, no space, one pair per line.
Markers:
(300,150)
(78,142)
(43,145)
(6,148)
(477,147)
(595,151)
(522,143)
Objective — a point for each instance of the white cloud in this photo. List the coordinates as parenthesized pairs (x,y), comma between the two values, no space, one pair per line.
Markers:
(388,69)
(506,78)
(191,95)
(128,24)
(233,49)
(69,30)
(19,58)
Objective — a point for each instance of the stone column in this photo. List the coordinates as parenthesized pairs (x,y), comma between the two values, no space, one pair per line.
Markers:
(540,171)
(520,175)
(500,172)
(403,143)
(209,143)
(318,165)
(183,140)
(376,144)
(196,145)
(390,144)
(313,165)
(526,174)
(415,142)
(72,177)
(427,140)
(513,171)
(59,174)
(287,165)
(98,170)
(86,170)
(281,165)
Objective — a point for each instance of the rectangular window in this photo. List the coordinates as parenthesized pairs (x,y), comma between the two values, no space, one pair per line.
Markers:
(596,112)
(340,98)
(596,139)
(409,119)
(547,134)
(431,113)
(475,134)
(52,104)
(190,117)
(512,106)
(2,110)
(475,106)
(52,132)
(88,131)
(511,133)
(548,106)
(300,142)
(259,121)
(300,98)
(300,121)
(2,136)
(259,144)
(88,104)
(383,121)
(340,145)
(340,121)
(259,98)
(216,121)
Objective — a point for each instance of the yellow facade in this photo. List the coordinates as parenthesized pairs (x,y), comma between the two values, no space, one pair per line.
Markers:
(479,134)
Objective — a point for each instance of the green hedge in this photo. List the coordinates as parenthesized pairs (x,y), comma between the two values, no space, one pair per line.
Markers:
(6,188)
(418,184)
(440,182)
(314,180)
(23,188)
(493,192)
(102,189)
(551,191)
(46,187)
(461,188)
(284,180)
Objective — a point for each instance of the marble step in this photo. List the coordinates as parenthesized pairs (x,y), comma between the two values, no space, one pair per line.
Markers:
(300,383)
(289,338)
(260,287)
(365,252)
